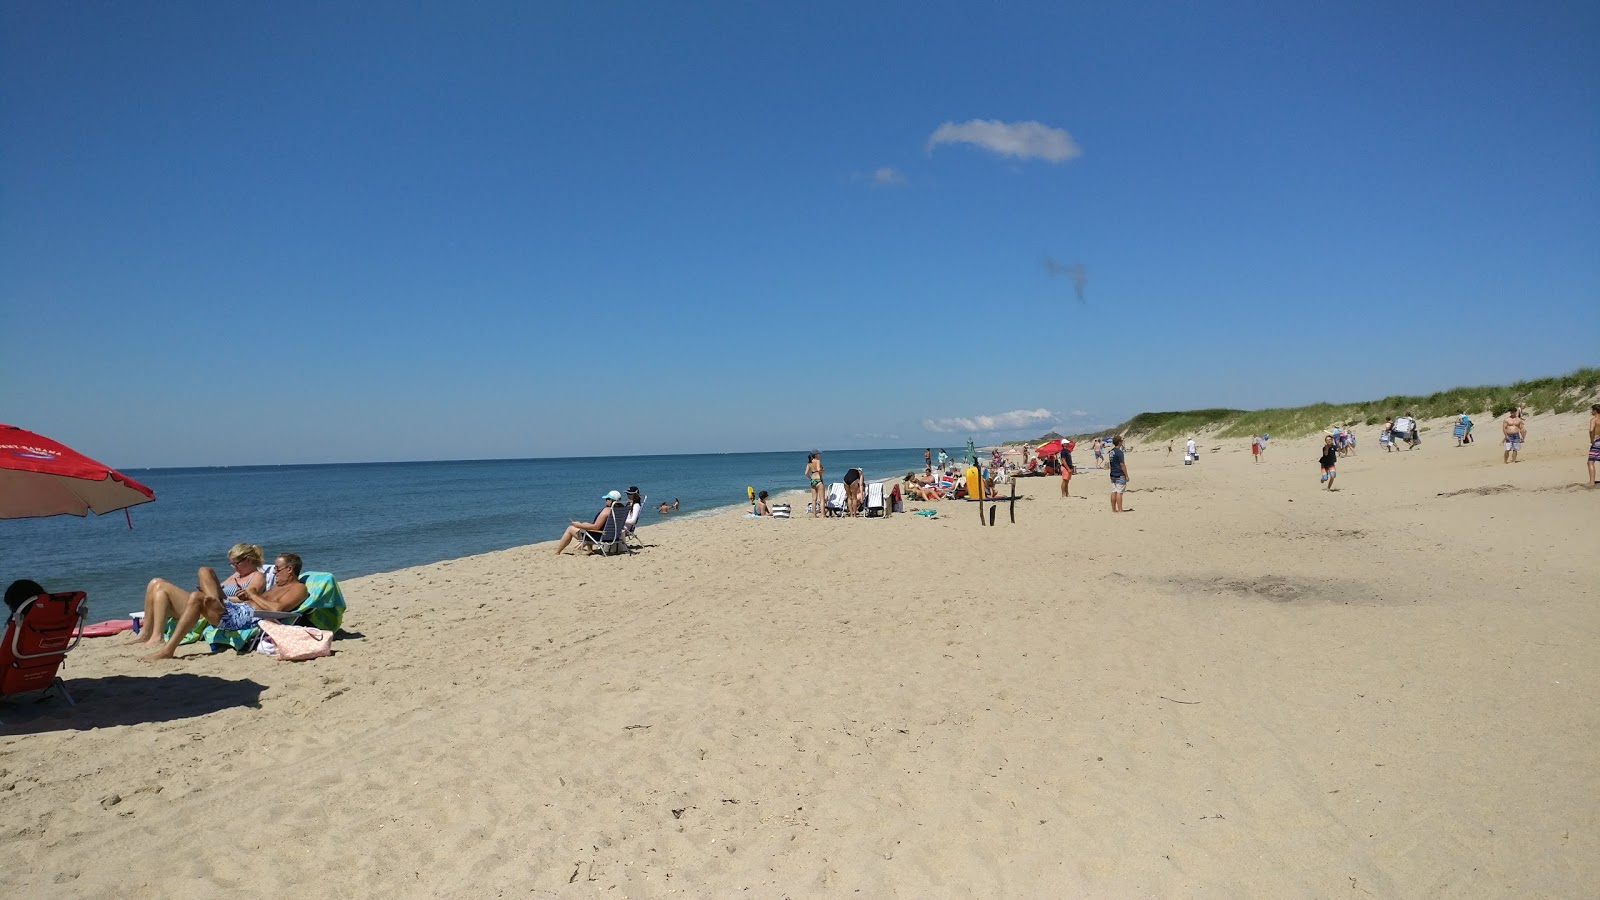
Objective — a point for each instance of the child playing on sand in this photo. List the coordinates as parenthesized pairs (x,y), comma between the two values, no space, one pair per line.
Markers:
(1330,458)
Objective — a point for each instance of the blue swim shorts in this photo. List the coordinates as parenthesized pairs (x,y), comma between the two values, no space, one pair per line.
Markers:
(236,616)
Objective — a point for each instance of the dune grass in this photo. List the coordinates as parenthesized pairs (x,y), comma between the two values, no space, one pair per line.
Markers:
(1560,394)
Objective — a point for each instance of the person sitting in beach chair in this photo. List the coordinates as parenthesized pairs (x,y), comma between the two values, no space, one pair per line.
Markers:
(609,540)
(210,604)
(40,628)
(164,600)
(595,527)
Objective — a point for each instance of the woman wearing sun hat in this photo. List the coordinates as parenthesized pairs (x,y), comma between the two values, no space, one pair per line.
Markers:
(597,526)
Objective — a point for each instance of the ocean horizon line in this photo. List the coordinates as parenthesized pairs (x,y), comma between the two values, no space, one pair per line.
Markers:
(507,459)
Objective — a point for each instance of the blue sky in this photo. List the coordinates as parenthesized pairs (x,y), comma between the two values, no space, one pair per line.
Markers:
(260,233)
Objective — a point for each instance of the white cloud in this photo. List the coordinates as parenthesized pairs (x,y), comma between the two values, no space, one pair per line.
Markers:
(1017,418)
(1079,412)
(887,176)
(1022,140)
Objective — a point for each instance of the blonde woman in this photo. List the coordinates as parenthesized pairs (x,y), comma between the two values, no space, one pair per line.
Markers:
(164,600)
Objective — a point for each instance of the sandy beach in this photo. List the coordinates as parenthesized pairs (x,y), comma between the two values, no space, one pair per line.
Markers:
(1244,687)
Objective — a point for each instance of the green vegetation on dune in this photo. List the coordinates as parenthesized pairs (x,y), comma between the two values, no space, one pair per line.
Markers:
(1562,394)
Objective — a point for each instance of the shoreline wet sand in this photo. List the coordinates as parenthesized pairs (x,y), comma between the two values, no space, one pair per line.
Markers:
(1244,686)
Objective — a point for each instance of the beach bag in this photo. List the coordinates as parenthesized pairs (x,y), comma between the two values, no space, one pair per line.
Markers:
(297,642)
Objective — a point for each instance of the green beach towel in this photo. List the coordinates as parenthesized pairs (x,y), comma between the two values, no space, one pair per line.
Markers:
(323,608)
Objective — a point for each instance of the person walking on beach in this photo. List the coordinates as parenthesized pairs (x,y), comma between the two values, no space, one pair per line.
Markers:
(1190,450)
(1169,447)
(1594,440)
(1066,471)
(814,473)
(1255,448)
(1119,474)
(1516,429)
(944,460)
(1329,460)
(927,460)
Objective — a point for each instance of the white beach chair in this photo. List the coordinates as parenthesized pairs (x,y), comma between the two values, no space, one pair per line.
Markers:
(834,504)
(875,504)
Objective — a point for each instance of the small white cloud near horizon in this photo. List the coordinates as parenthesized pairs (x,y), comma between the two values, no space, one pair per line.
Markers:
(1016,418)
(1079,412)
(887,176)
(881,177)
(1020,140)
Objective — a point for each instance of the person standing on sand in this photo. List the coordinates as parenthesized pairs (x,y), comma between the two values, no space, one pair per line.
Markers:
(1119,473)
(927,460)
(1515,429)
(1594,440)
(1189,449)
(1255,448)
(1066,471)
(1169,447)
(1329,460)
(814,473)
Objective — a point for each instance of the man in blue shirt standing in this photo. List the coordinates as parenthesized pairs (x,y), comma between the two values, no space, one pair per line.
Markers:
(1119,473)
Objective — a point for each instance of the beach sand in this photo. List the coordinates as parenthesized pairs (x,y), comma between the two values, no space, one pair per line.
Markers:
(1246,686)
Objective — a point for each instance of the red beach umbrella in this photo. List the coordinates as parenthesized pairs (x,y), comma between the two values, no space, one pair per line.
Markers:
(1050,449)
(41,477)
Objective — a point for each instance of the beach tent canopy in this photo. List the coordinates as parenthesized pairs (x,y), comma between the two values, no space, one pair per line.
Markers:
(1050,449)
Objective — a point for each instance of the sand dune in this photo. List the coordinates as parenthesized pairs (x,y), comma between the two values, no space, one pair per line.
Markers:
(1244,687)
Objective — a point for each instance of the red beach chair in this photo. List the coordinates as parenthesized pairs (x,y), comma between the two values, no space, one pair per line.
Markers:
(38,637)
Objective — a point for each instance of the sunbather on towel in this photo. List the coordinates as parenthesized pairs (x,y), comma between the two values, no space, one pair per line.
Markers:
(209,603)
(164,600)
(597,526)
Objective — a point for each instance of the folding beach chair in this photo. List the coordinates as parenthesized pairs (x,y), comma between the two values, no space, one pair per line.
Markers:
(38,636)
(875,505)
(834,504)
(611,540)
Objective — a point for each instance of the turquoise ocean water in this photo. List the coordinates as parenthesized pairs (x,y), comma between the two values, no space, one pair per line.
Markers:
(356,519)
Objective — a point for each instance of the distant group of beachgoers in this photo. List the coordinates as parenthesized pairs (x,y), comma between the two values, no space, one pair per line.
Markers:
(944,477)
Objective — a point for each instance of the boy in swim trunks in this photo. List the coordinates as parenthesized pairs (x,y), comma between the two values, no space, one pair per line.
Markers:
(229,615)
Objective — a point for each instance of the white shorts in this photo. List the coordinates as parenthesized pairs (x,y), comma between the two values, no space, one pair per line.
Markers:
(1513,442)
(1118,487)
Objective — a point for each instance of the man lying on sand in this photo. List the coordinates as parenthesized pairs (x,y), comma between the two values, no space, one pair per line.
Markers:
(229,615)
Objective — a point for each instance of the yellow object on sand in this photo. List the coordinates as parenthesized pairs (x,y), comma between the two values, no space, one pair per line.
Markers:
(974,483)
